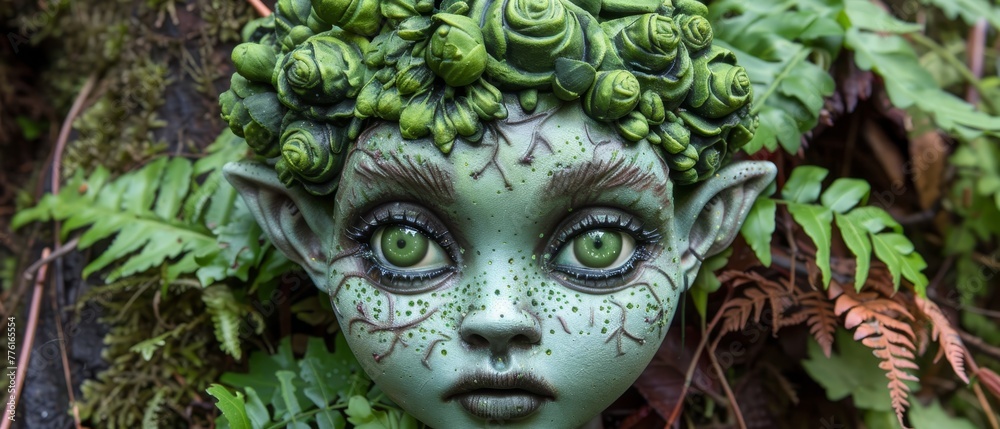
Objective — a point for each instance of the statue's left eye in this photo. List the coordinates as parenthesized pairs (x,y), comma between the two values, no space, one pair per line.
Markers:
(597,249)
(407,251)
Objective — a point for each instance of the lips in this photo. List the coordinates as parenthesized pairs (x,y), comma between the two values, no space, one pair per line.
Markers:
(500,396)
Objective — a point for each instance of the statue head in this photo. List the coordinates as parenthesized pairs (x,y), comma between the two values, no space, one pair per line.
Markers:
(504,199)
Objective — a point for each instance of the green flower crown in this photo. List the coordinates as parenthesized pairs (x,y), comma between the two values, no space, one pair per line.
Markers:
(315,72)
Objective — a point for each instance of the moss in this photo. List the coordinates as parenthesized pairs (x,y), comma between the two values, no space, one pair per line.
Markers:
(142,52)
(178,370)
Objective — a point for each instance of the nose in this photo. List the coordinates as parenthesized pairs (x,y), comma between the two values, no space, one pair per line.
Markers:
(499,326)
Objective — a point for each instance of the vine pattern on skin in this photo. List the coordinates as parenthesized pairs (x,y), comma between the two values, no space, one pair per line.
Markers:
(620,331)
(430,348)
(493,160)
(390,325)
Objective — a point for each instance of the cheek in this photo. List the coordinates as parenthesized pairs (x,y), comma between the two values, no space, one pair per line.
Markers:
(380,326)
(632,320)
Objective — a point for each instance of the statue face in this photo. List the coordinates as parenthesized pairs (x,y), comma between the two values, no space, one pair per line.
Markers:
(525,280)
(503,282)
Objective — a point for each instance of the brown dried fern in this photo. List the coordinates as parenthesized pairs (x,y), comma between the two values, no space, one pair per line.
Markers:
(947,337)
(821,319)
(881,323)
(758,293)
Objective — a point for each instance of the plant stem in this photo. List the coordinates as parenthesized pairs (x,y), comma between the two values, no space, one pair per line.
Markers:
(959,66)
(798,58)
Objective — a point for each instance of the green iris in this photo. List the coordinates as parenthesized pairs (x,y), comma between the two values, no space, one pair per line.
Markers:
(403,247)
(598,249)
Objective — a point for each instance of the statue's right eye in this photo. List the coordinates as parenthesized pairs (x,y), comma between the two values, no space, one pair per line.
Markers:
(407,249)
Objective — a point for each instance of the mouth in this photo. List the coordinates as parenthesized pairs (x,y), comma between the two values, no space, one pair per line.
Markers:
(500,396)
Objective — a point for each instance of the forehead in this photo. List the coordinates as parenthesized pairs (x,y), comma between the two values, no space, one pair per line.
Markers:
(558,154)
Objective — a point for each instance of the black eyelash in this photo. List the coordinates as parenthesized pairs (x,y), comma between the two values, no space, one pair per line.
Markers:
(646,241)
(406,215)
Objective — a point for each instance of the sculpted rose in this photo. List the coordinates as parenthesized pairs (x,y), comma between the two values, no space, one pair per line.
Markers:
(649,44)
(525,38)
(614,94)
(720,90)
(696,31)
(324,69)
(456,51)
(311,154)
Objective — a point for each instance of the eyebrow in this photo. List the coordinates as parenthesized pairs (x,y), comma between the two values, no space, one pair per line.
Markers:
(425,179)
(594,177)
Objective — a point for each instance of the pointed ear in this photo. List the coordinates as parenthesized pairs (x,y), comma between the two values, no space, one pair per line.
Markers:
(711,214)
(294,220)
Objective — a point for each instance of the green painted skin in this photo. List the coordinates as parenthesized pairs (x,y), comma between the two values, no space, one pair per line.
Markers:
(503,308)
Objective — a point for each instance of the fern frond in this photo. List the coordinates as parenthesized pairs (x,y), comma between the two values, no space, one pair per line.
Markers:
(150,416)
(148,234)
(946,336)
(821,319)
(758,293)
(877,323)
(225,311)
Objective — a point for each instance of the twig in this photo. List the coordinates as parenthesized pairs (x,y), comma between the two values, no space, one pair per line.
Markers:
(29,339)
(974,370)
(689,376)
(983,402)
(259,6)
(61,250)
(742,424)
(67,126)
(978,344)
(974,54)
(61,336)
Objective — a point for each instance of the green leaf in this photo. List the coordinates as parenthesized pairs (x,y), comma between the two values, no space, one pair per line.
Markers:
(845,193)
(173,188)
(758,228)
(256,409)
(908,84)
(804,184)
(232,406)
(933,416)
(225,311)
(970,10)
(263,367)
(874,219)
(898,254)
(866,15)
(851,371)
(817,223)
(857,240)
(706,282)
(285,401)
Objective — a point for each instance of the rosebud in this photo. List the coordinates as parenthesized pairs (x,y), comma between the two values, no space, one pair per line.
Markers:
(456,51)
(254,61)
(572,78)
(358,16)
(633,127)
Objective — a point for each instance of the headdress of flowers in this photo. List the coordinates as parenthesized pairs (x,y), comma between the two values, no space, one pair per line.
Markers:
(313,73)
